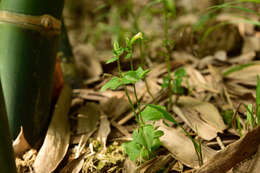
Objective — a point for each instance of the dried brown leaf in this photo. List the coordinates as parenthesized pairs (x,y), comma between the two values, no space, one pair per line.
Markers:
(74,166)
(233,154)
(103,131)
(88,118)
(56,142)
(20,144)
(202,117)
(182,147)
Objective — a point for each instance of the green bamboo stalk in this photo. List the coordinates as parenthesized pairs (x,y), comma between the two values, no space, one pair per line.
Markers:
(27,60)
(7,164)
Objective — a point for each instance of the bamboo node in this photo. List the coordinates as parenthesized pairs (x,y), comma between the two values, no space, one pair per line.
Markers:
(45,23)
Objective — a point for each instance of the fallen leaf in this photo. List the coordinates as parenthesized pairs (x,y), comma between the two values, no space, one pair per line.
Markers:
(20,144)
(202,117)
(157,164)
(233,154)
(182,147)
(87,118)
(245,75)
(57,139)
(129,166)
(103,131)
(74,166)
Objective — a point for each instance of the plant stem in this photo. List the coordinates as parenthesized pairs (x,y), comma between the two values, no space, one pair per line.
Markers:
(167,59)
(126,91)
(135,93)
(142,65)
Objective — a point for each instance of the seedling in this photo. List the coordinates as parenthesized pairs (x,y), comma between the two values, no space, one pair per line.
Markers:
(254,120)
(176,85)
(146,136)
(169,11)
(252,116)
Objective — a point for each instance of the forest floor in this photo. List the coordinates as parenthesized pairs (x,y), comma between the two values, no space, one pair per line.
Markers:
(219,51)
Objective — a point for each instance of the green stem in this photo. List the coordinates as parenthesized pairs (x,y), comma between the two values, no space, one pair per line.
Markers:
(126,91)
(135,93)
(142,65)
(167,56)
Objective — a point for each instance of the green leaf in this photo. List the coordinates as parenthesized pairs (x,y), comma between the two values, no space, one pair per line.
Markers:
(227,117)
(127,42)
(130,77)
(117,50)
(237,68)
(144,154)
(132,149)
(116,46)
(180,72)
(156,144)
(152,114)
(165,114)
(113,84)
(165,83)
(250,120)
(141,73)
(169,6)
(112,60)
(158,133)
(128,55)
(148,135)
(239,127)
(138,137)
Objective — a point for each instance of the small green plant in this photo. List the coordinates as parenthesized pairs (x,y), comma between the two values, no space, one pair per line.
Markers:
(169,10)
(176,85)
(252,115)
(146,136)
(253,120)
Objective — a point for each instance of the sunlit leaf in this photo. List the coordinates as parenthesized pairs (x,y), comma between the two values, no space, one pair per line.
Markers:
(151,114)
(132,149)
(113,84)
(112,60)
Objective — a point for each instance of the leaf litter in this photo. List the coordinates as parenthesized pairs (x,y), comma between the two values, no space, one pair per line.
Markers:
(221,74)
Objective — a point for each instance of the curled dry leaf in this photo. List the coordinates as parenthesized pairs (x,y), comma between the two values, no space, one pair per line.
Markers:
(74,166)
(57,139)
(245,74)
(103,131)
(88,117)
(20,144)
(156,164)
(129,166)
(202,117)
(182,147)
(233,154)
(198,81)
